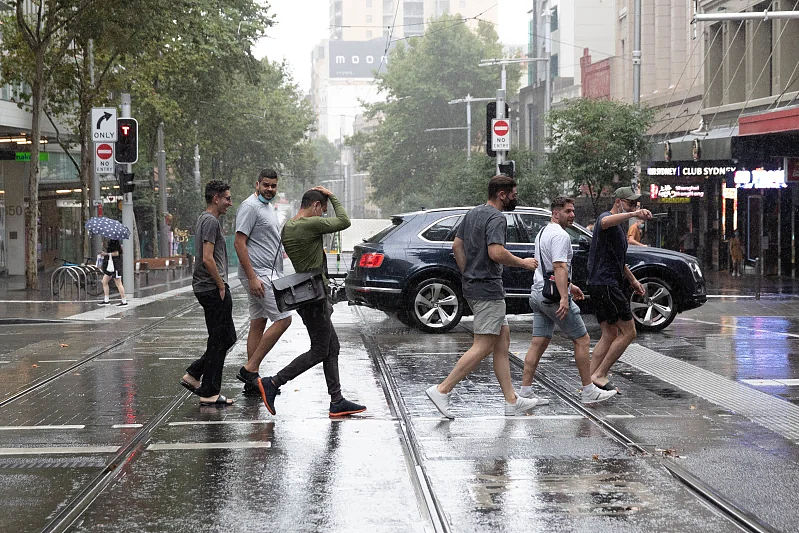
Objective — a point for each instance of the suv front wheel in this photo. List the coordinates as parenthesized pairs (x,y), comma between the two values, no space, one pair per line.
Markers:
(656,309)
(435,305)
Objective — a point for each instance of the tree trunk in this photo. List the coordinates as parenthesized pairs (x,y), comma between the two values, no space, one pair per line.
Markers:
(32,229)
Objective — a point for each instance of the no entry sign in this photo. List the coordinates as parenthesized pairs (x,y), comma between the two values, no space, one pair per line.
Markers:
(500,134)
(104,158)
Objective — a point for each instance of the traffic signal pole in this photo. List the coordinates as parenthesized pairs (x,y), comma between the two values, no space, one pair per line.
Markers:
(127,218)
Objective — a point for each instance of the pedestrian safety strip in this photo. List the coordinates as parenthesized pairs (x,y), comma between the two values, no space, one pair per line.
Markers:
(775,414)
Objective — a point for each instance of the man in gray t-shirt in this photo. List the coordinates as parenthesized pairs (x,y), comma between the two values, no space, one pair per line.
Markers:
(483,226)
(204,376)
(257,244)
(480,252)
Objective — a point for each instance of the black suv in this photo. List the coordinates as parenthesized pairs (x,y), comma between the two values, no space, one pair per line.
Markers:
(409,269)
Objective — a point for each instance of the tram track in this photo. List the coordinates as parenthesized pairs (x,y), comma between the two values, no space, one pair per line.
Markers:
(94,355)
(70,513)
(743,519)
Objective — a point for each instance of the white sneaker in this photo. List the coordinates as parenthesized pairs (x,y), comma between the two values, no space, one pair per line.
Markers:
(593,394)
(440,400)
(531,395)
(521,406)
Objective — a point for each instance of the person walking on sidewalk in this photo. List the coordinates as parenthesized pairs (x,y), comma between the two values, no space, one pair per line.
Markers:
(608,275)
(736,254)
(302,240)
(553,250)
(112,269)
(480,252)
(257,244)
(204,376)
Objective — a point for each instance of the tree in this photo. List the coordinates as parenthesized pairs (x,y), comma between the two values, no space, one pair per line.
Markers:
(595,142)
(407,165)
(44,32)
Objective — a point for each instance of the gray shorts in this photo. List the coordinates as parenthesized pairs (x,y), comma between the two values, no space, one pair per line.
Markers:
(545,319)
(489,316)
(265,307)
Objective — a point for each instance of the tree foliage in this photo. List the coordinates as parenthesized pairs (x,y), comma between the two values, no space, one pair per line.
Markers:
(409,167)
(595,144)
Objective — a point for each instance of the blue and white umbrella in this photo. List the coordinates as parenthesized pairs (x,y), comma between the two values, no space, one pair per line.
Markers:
(108,227)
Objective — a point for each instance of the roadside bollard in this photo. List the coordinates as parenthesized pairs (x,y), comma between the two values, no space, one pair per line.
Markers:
(758,277)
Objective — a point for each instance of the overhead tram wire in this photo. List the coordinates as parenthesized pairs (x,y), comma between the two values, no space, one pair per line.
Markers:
(743,57)
(688,91)
(765,64)
(385,53)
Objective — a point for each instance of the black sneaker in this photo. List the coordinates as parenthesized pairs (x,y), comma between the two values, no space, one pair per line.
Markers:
(248,378)
(344,408)
(104,303)
(122,304)
(268,392)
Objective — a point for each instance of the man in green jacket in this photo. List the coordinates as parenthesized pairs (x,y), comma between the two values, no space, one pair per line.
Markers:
(302,240)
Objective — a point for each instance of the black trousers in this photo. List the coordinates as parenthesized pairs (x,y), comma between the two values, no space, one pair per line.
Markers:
(324,349)
(221,337)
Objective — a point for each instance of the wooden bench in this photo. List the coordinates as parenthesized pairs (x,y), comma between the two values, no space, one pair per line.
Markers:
(161,263)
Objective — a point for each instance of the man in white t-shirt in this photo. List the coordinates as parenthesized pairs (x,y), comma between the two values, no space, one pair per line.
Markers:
(553,250)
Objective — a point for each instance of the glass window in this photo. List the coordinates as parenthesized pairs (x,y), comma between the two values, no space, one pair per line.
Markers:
(443,230)
(575,234)
(553,20)
(368,18)
(532,224)
(368,34)
(553,66)
(513,235)
(382,234)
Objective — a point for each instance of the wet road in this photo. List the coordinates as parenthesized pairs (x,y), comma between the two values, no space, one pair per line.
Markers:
(713,395)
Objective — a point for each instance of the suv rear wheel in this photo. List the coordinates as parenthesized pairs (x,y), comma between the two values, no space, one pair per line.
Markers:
(655,310)
(435,305)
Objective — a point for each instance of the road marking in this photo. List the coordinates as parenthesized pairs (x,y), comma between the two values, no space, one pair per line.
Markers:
(517,417)
(4,362)
(210,446)
(57,450)
(430,353)
(178,358)
(126,359)
(14,428)
(771,382)
(220,422)
(793,335)
(730,296)
(60,361)
(619,416)
(125,426)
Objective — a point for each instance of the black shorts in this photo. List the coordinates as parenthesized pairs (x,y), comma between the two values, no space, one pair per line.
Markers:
(609,303)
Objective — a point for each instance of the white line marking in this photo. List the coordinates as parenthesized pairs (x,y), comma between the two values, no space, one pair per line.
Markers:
(210,446)
(430,353)
(126,359)
(762,382)
(220,422)
(60,361)
(619,416)
(730,296)
(793,335)
(789,382)
(519,417)
(125,426)
(4,362)
(178,358)
(57,450)
(14,428)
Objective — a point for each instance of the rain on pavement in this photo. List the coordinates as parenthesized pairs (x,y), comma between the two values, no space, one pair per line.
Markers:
(399,466)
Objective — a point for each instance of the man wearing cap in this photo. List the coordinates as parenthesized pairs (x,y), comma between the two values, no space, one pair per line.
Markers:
(608,275)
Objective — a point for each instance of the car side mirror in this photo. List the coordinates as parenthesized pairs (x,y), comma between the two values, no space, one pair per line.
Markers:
(583,242)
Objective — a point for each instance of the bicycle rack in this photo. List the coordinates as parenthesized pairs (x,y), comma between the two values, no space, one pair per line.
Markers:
(68,280)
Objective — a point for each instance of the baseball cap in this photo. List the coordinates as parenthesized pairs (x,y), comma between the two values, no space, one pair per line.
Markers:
(626,193)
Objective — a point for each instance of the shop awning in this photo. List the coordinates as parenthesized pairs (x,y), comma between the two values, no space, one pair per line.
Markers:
(714,145)
(777,121)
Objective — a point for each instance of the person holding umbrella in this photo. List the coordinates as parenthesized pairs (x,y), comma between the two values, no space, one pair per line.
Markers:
(112,269)
(113,231)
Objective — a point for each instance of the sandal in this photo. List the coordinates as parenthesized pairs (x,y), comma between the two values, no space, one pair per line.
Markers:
(221,401)
(188,386)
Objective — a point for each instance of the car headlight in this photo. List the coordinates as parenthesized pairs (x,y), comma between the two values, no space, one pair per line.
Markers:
(696,270)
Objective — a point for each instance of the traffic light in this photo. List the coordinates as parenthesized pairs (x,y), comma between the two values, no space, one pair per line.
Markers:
(508,169)
(491,114)
(126,181)
(127,149)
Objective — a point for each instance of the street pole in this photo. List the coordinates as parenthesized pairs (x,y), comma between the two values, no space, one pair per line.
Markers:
(637,54)
(547,74)
(468,101)
(163,237)
(127,218)
(97,239)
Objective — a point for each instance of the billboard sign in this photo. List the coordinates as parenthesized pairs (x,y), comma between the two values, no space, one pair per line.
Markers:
(356,59)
